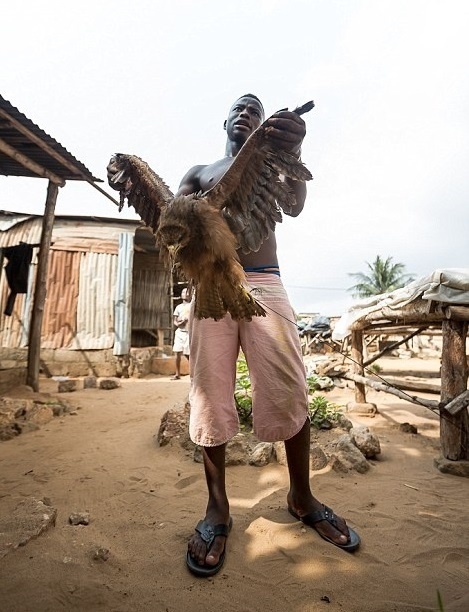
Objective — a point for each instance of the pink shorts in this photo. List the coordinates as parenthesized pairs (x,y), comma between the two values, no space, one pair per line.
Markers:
(272,349)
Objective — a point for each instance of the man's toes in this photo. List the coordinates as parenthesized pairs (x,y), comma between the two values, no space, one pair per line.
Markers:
(215,552)
(338,534)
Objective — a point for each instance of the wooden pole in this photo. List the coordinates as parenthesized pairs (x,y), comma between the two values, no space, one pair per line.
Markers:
(381,386)
(357,356)
(34,341)
(454,429)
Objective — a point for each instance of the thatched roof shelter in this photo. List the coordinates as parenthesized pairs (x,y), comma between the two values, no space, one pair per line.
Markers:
(439,299)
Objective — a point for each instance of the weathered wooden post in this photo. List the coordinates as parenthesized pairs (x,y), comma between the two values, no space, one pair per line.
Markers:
(357,356)
(454,428)
(34,341)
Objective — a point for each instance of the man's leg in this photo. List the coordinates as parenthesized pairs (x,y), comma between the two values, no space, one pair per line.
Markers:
(178,365)
(218,510)
(300,498)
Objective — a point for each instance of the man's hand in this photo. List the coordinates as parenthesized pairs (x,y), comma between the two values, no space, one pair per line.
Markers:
(286,130)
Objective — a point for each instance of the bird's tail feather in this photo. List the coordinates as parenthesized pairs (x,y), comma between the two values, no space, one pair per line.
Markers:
(211,303)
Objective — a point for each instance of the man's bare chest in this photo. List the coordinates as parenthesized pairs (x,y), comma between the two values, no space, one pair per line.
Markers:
(211,174)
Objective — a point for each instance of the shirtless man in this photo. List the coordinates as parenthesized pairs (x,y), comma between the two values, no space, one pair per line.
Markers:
(280,400)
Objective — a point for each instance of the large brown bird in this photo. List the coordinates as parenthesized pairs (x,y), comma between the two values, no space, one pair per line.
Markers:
(202,232)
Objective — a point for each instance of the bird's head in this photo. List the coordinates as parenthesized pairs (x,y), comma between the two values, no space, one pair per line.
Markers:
(174,232)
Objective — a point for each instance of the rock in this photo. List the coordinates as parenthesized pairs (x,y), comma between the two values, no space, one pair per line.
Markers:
(366,441)
(67,386)
(262,454)
(347,457)
(408,428)
(28,520)
(40,414)
(79,518)
(318,458)
(343,422)
(90,382)
(109,383)
(99,553)
(362,408)
(174,426)
(9,431)
(456,468)
(280,453)
(237,450)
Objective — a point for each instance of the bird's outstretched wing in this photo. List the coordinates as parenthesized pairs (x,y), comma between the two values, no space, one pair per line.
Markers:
(252,194)
(143,188)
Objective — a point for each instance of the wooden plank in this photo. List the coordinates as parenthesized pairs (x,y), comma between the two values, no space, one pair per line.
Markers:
(460,402)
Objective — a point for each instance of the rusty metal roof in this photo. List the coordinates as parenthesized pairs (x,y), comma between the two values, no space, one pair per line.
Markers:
(21,138)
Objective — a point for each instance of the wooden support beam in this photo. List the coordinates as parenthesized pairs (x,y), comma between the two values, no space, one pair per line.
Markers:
(454,428)
(30,164)
(415,313)
(458,313)
(34,341)
(357,357)
(460,402)
(381,386)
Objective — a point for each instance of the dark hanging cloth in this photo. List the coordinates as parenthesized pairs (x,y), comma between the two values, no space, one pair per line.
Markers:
(17,271)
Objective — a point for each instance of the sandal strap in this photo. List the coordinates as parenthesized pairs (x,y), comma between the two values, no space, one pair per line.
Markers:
(326,514)
(209,532)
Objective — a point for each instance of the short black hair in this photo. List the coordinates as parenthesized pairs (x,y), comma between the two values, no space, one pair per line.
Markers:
(250,95)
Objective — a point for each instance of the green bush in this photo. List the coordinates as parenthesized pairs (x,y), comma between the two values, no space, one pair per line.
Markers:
(322,413)
(242,394)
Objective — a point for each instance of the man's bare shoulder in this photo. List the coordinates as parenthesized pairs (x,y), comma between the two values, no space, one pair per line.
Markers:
(204,176)
(190,182)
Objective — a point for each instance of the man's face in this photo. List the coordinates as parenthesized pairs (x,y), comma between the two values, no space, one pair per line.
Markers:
(244,117)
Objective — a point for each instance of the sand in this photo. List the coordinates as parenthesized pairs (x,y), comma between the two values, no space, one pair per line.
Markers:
(144,501)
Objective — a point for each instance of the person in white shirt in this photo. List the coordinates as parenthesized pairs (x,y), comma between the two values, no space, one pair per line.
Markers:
(181,335)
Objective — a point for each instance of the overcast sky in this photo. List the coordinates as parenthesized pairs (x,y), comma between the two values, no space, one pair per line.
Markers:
(387,142)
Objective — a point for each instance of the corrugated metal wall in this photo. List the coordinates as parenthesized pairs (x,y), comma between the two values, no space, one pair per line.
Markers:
(123,299)
(95,308)
(150,291)
(63,281)
(89,275)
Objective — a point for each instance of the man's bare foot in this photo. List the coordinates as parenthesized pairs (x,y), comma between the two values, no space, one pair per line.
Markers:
(329,526)
(206,548)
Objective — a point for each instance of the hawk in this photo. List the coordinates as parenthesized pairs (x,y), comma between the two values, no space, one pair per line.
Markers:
(202,232)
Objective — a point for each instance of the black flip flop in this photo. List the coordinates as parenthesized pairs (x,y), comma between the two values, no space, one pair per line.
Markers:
(208,533)
(326,514)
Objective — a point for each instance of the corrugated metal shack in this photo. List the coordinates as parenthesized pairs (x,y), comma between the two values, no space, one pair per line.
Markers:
(106,287)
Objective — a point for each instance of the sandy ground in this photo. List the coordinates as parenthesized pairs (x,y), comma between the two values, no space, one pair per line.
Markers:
(144,502)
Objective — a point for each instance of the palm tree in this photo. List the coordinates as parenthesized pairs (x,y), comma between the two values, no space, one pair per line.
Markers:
(384,276)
